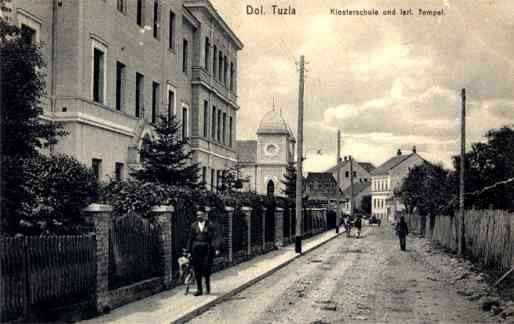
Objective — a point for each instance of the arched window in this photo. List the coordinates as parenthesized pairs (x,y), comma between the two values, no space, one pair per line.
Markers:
(271,188)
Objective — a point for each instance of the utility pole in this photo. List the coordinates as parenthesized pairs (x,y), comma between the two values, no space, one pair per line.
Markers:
(338,204)
(462,241)
(351,186)
(299,158)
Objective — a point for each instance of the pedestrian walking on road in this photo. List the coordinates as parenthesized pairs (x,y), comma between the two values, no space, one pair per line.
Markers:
(202,247)
(358,225)
(402,231)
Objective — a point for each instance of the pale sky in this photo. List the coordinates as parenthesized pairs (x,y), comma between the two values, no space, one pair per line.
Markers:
(387,82)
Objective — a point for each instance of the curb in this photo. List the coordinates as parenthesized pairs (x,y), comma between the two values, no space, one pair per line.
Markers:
(202,309)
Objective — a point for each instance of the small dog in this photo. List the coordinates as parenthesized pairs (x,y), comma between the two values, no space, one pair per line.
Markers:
(187,275)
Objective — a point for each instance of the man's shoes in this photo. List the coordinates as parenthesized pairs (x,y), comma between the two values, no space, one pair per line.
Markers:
(198,293)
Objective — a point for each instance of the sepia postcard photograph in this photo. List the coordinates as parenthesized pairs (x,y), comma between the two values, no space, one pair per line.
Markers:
(256,161)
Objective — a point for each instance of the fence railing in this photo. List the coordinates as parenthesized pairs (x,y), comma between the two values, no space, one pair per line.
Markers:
(488,235)
(40,272)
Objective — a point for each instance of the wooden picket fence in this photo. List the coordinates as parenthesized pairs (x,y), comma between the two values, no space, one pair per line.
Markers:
(489,236)
(45,272)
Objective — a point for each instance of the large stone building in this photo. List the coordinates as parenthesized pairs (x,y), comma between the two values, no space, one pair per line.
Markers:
(386,179)
(263,162)
(113,66)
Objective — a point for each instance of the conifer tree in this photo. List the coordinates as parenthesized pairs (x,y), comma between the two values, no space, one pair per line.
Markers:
(290,181)
(165,157)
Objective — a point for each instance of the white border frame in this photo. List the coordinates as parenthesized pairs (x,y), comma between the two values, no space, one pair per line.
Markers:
(188,130)
(171,87)
(97,45)
(28,19)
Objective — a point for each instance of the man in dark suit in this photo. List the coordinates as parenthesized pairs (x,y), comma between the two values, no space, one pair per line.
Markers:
(202,245)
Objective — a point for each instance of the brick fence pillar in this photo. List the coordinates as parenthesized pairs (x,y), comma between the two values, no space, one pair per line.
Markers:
(279,227)
(100,216)
(324,219)
(164,216)
(247,215)
(230,245)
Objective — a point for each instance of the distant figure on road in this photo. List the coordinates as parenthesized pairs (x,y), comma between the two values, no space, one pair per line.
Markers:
(358,225)
(202,247)
(402,231)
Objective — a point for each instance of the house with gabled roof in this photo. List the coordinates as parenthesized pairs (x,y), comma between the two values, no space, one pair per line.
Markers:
(360,190)
(361,172)
(321,188)
(387,178)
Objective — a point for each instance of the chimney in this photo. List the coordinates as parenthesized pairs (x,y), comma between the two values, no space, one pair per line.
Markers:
(414,149)
(399,152)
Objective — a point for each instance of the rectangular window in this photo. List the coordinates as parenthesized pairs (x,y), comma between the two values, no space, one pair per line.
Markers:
(120,5)
(220,66)
(204,176)
(213,124)
(231,76)
(118,171)
(156,19)
(185,122)
(120,85)
(212,179)
(172,31)
(207,53)
(354,173)
(347,174)
(214,61)
(171,104)
(185,55)
(139,95)
(98,75)
(219,128)
(140,14)
(96,165)
(225,70)
(205,118)
(28,34)
(230,132)
(224,130)
(155,101)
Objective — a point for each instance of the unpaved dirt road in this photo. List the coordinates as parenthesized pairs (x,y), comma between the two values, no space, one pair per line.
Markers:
(365,280)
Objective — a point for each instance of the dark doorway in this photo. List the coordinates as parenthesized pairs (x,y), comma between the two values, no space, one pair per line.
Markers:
(271,188)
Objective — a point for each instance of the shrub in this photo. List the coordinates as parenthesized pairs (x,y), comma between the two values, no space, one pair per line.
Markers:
(59,187)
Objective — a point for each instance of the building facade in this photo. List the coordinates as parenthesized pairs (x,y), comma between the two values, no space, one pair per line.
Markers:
(321,189)
(114,66)
(387,178)
(361,172)
(263,163)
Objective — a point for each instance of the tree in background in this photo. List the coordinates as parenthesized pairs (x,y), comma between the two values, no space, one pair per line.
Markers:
(23,132)
(230,180)
(290,181)
(428,189)
(486,165)
(166,159)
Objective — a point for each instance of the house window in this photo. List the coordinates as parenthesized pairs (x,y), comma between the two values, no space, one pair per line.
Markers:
(118,171)
(212,179)
(232,72)
(204,176)
(346,174)
(207,53)
(28,35)
(120,85)
(213,124)
(185,122)
(155,100)
(224,132)
(96,165)
(220,66)
(121,6)
(214,61)
(185,55)
(172,31)
(205,117)
(98,74)
(171,103)
(219,128)
(225,70)
(156,19)
(140,79)
(140,14)
(354,173)
(230,132)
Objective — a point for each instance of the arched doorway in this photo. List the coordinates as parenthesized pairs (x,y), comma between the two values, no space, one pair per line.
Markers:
(271,188)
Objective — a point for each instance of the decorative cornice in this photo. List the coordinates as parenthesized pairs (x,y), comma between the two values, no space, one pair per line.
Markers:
(82,118)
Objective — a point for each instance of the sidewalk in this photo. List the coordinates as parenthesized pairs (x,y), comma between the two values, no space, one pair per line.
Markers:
(175,307)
